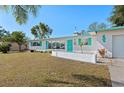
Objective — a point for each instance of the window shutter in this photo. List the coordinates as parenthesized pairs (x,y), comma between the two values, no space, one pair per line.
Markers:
(89,41)
(104,38)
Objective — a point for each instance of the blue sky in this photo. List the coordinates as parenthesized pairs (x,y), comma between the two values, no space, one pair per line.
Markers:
(62,19)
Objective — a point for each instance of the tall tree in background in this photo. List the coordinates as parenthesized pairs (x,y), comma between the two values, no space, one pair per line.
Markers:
(21,12)
(117,17)
(16,36)
(3,32)
(96,27)
(46,31)
(42,30)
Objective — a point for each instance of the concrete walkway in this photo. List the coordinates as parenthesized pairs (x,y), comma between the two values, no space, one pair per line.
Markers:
(116,70)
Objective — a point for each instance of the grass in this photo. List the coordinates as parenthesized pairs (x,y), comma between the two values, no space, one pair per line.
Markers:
(41,70)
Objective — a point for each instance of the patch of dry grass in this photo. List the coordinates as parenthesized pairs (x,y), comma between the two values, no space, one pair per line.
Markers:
(41,69)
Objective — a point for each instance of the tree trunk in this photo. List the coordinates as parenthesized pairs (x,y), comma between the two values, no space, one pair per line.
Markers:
(20,47)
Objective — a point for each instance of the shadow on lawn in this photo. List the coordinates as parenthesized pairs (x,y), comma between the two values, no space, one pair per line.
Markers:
(93,80)
(60,83)
(82,81)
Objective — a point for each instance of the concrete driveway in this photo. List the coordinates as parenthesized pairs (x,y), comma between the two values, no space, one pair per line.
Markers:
(116,70)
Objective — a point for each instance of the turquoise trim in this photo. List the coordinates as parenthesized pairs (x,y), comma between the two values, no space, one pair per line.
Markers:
(104,38)
(47,44)
(89,41)
(109,29)
(69,45)
(115,28)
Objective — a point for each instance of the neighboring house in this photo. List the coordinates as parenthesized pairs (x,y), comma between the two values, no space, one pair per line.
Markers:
(14,46)
(111,39)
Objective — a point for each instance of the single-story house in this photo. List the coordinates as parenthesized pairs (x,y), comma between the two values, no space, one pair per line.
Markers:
(111,39)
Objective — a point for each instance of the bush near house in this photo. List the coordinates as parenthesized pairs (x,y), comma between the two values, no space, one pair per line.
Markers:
(4,47)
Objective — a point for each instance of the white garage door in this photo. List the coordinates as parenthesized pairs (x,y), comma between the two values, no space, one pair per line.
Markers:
(118,46)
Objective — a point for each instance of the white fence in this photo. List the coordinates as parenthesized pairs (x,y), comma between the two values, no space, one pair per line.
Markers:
(91,58)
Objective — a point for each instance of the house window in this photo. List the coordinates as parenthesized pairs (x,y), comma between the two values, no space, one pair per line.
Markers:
(36,43)
(79,41)
(85,42)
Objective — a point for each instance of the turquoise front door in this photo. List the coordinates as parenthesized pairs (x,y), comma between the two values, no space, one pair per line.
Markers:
(69,45)
(47,44)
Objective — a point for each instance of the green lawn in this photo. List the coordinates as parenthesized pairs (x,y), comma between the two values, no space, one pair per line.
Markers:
(41,69)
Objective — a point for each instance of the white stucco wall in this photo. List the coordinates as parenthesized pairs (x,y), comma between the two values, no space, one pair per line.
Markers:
(91,58)
(108,44)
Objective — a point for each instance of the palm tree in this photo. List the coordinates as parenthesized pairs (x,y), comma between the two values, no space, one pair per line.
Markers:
(21,12)
(34,32)
(45,30)
(42,30)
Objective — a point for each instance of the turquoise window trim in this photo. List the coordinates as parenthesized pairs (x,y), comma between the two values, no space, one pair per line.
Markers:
(35,44)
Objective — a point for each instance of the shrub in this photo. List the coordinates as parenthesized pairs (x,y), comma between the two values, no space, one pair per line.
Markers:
(41,51)
(4,47)
(31,50)
(50,51)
